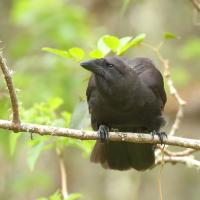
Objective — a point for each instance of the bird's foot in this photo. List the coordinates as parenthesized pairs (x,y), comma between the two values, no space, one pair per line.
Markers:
(103,133)
(161,136)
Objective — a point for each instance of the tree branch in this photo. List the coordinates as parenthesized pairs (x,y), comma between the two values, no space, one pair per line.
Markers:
(13,98)
(187,160)
(196,4)
(92,135)
(63,174)
(185,152)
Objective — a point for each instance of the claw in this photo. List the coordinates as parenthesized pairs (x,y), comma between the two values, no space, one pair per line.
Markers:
(161,136)
(103,133)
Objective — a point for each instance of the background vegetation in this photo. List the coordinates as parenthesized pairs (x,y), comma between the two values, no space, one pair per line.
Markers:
(52,91)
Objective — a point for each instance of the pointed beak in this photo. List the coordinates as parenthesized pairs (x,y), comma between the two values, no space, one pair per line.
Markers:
(93,66)
(88,65)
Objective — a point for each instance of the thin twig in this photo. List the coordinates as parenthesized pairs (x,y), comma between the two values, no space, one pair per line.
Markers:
(185,152)
(187,160)
(171,86)
(196,20)
(159,178)
(13,98)
(92,135)
(63,174)
(173,92)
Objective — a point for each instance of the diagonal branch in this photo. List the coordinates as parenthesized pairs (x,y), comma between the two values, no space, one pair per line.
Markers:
(187,160)
(174,92)
(196,4)
(182,153)
(12,93)
(170,83)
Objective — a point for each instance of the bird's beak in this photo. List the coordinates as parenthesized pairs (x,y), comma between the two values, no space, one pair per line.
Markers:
(92,66)
(88,65)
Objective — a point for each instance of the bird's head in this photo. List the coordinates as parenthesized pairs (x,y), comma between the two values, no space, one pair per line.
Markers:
(111,73)
(110,69)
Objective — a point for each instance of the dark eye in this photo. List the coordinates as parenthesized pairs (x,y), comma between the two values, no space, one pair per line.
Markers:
(110,65)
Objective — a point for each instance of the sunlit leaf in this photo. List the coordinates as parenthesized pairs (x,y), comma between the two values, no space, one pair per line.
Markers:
(101,46)
(96,54)
(76,53)
(132,43)
(124,41)
(169,36)
(112,42)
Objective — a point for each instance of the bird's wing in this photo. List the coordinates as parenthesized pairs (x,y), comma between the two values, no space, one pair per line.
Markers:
(151,76)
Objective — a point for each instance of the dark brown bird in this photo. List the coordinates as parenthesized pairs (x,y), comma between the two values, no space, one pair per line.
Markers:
(127,95)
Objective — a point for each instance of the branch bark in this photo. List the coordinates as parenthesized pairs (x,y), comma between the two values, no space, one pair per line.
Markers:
(92,135)
(186,160)
(13,98)
(63,174)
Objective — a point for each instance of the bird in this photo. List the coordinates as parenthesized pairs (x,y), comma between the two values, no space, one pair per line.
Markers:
(125,95)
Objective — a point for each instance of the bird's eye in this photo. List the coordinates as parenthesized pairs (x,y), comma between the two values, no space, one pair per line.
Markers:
(110,65)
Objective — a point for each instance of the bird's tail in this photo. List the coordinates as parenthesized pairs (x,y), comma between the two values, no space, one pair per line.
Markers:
(123,155)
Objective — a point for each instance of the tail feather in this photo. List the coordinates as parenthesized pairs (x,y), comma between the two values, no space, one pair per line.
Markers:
(123,155)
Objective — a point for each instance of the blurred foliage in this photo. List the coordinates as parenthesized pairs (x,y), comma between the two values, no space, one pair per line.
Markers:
(168,35)
(47,113)
(191,49)
(52,88)
(57,196)
(55,21)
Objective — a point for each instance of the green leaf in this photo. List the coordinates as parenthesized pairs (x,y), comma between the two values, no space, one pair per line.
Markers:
(134,42)
(73,196)
(102,47)
(77,53)
(13,138)
(124,41)
(96,54)
(58,52)
(112,42)
(169,36)
(34,154)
